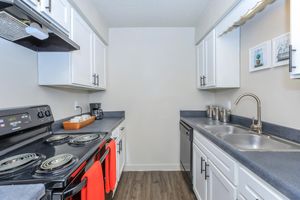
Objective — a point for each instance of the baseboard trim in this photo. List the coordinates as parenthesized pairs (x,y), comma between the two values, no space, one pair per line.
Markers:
(152,167)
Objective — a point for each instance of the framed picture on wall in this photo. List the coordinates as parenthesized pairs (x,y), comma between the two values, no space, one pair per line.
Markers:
(280,46)
(260,57)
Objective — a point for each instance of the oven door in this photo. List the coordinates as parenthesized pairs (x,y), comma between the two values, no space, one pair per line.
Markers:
(73,190)
(186,150)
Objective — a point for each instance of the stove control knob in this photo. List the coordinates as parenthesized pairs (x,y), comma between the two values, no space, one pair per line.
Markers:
(40,115)
(47,113)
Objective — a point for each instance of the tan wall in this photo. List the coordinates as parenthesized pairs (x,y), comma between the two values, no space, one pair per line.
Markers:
(279,94)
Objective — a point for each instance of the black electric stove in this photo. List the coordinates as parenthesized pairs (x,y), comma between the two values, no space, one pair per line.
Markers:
(30,153)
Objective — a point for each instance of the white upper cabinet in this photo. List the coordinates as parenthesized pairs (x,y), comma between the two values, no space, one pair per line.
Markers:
(57,11)
(84,68)
(218,61)
(99,63)
(33,4)
(210,60)
(201,65)
(294,65)
(82,61)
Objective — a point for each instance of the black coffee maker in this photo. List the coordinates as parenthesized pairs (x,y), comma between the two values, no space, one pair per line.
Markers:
(95,109)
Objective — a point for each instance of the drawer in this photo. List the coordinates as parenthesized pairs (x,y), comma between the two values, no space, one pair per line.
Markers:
(252,187)
(221,160)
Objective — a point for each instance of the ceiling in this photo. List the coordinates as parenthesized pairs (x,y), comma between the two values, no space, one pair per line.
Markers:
(150,13)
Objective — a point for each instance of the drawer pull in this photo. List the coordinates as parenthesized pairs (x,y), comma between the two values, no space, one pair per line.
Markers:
(205,169)
(202,160)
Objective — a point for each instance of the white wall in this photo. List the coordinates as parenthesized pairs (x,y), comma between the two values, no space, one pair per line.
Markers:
(151,75)
(19,83)
(213,12)
(279,94)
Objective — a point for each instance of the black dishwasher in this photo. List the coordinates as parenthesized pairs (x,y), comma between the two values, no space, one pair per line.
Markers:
(186,152)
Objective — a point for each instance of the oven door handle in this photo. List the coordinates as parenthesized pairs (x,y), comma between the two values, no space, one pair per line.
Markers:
(74,190)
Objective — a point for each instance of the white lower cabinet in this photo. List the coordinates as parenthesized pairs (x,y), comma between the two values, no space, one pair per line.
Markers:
(217,176)
(218,186)
(209,181)
(252,188)
(199,181)
(119,135)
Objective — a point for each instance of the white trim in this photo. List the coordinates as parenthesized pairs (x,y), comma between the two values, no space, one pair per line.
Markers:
(152,167)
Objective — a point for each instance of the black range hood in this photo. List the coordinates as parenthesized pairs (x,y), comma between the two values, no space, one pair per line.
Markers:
(15,14)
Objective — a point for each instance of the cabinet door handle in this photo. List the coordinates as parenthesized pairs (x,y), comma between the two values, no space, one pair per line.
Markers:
(291,50)
(94,79)
(97,79)
(202,160)
(206,176)
(204,80)
(49,7)
(122,128)
(201,81)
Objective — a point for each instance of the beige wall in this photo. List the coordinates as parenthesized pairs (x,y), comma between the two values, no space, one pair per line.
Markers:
(19,83)
(279,94)
(151,75)
(213,12)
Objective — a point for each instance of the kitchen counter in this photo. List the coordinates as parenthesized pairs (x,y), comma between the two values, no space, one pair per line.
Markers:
(110,121)
(24,192)
(279,169)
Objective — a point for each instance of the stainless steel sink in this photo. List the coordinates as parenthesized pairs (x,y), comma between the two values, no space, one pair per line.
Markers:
(221,130)
(246,140)
(251,142)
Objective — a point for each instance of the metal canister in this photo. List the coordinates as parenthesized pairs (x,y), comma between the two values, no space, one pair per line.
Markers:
(216,113)
(225,115)
(209,111)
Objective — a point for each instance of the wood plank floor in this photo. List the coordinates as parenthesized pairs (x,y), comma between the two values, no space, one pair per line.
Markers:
(153,186)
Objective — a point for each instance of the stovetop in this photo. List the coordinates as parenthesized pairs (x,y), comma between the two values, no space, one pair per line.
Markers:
(38,172)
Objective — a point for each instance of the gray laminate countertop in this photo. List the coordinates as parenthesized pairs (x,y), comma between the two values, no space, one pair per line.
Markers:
(279,169)
(24,192)
(107,124)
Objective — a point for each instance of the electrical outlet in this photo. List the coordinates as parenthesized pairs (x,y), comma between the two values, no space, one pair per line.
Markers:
(76,105)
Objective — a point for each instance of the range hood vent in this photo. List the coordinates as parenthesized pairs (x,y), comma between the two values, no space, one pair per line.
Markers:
(16,17)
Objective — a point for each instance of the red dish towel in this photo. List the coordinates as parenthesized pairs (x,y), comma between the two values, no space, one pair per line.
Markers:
(110,167)
(94,189)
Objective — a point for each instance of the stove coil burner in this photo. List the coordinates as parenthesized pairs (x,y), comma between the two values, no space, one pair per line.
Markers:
(18,162)
(84,139)
(57,139)
(57,164)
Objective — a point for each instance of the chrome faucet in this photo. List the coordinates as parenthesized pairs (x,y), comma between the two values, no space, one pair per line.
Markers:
(256,127)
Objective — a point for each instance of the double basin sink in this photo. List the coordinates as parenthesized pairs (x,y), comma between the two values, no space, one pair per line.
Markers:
(246,140)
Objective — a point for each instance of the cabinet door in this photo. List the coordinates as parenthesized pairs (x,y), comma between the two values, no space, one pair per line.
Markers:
(122,154)
(210,59)
(58,11)
(32,3)
(117,158)
(82,64)
(251,188)
(200,64)
(99,63)
(199,182)
(295,39)
(218,186)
